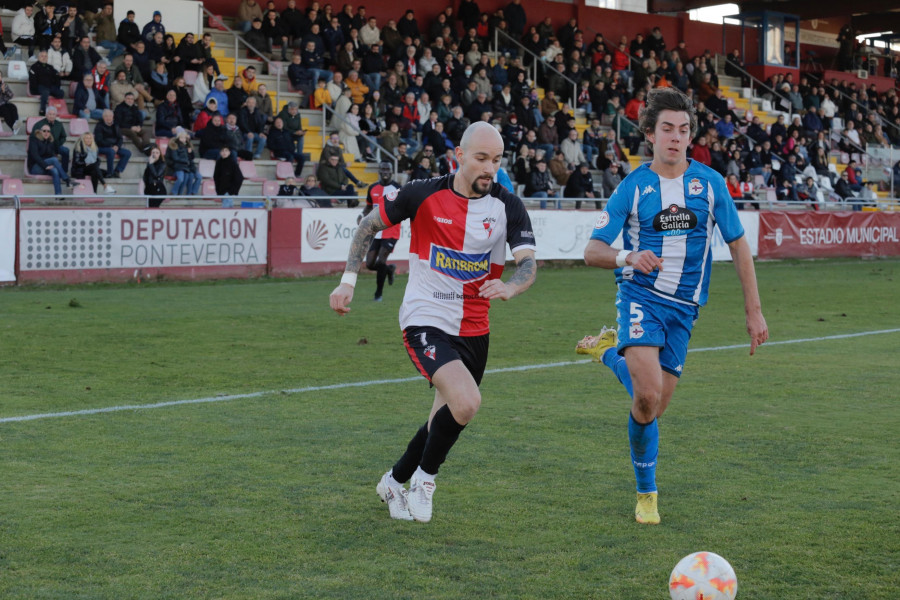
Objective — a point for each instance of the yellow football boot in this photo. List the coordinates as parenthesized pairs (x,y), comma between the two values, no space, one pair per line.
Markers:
(645,512)
(596,345)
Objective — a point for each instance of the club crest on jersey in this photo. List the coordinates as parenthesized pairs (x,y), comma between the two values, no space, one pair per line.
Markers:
(430,352)
(462,266)
(602,220)
(695,187)
(488,224)
(675,220)
(636,331)
(391,195)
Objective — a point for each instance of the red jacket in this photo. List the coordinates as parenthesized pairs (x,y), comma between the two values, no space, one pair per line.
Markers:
(701,154)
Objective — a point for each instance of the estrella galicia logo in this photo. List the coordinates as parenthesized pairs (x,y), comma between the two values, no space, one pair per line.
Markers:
(675,220)
(461,266)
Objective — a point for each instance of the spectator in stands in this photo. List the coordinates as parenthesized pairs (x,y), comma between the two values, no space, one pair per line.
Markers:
(333,179)
(756,131)
(42,158)
(58,135)
(23,28)
(84,58)
(611,177)
(539,185)
(581,185)
(854,177)
(205,81)
(8,110)
(725,128)
(333,148)
(256,39)
(153,26)
(86,162)
(293,124)
(807,191)
(276,33)
(129,120)
(106,34)
(247,12)
(59,58)
(218,92)
(281,143)
(213,134)
(154,178)
(128,33)
(43,81)
(118,88)
(168,116)
(548,135)
(311,189)
(298,75)
(111,143)
(88,103)
(227,176)
(700,151)
(252,123)
(180,161)
(572,150)
(235,138)
(46,24)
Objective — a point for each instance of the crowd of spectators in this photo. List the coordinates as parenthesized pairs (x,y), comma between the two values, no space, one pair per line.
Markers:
(410,90)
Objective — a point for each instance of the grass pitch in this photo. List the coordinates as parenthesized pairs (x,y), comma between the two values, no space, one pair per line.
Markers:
(785,462)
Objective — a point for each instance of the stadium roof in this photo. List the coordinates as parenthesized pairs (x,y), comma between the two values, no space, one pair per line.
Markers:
(868,16)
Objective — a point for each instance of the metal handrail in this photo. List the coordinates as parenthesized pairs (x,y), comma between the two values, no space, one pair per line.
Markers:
(382,151)
(264,58)
(537,61)
(758,82)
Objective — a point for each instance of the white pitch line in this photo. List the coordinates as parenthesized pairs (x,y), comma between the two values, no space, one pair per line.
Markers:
(341,386)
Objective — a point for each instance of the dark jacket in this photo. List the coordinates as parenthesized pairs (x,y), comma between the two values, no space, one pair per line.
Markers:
(57,132)
(228,176)
(180,159)
(280,142)
(42,74)
(155,178)
(539,182)
(79,57)
(79,156)
(107,136)
(167,117)
(331,179)
(81,98)
(213,138)
(38,150)
(253,122)
(578,184)
(128,33)
(126,116)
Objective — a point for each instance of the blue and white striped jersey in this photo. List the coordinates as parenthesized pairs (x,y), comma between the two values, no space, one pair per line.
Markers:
(675,219)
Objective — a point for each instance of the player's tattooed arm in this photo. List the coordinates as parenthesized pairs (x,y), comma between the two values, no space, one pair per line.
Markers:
(521,280)
(365,233)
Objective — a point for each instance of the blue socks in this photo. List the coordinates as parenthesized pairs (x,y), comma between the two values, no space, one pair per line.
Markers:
(644,440)
(617,363)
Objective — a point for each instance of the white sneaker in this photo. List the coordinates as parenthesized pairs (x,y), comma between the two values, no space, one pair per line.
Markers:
(419,498)
(394,497)
(110,189)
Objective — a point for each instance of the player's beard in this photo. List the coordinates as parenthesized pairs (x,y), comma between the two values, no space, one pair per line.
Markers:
(481,186)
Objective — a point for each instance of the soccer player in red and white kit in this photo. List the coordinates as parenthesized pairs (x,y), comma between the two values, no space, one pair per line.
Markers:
(385,240)
(460,226)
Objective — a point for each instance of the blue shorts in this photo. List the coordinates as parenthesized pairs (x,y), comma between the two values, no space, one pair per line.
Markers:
(645,319)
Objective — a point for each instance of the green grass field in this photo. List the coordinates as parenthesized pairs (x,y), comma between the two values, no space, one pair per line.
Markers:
(786,463)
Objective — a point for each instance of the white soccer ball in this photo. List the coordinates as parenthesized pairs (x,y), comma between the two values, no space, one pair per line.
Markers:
(703,576)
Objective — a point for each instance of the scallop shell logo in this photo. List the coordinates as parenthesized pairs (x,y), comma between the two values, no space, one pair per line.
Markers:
(316,235)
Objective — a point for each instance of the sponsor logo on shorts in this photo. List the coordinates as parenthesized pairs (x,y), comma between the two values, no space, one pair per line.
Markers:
(430,352)
(636,331)
(675,220)
(602,220)
(695,187)
(679,368)
(462,266)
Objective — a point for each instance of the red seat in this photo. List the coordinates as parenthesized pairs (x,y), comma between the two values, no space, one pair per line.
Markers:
(62,110)
(215,22)
(72,87)
(85,191)
(163,144)
(284,169)
(208,188)
(15,187)
(249,171)
(206,168)
(78,127)
(270,187)
(29,124)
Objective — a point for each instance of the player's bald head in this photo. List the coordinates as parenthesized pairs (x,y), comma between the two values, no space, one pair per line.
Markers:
(481,137)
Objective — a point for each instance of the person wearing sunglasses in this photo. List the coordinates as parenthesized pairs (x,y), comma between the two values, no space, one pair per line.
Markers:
(42,159)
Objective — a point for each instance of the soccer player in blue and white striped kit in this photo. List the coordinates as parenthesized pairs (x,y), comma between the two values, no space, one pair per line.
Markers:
(667,211)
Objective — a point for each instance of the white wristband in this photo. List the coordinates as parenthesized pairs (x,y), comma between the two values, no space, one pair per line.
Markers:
(349,279)
(621,256)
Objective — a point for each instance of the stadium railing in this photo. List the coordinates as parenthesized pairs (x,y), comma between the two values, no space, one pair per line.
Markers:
(383,153)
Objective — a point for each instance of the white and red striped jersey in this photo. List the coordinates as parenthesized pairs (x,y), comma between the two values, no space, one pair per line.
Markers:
(375,198)
(456,244)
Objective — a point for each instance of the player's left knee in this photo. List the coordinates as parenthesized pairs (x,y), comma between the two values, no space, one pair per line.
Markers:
(465,409)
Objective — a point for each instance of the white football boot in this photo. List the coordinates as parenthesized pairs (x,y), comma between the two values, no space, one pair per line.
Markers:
(419,497)
(394,497)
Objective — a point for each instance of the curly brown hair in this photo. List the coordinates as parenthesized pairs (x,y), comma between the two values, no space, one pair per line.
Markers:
(660,99)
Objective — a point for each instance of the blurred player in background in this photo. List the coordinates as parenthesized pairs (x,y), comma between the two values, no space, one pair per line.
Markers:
(386,239)
(460,227)
(666,212)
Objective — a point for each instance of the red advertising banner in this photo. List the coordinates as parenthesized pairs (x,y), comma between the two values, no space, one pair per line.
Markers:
(823,235)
